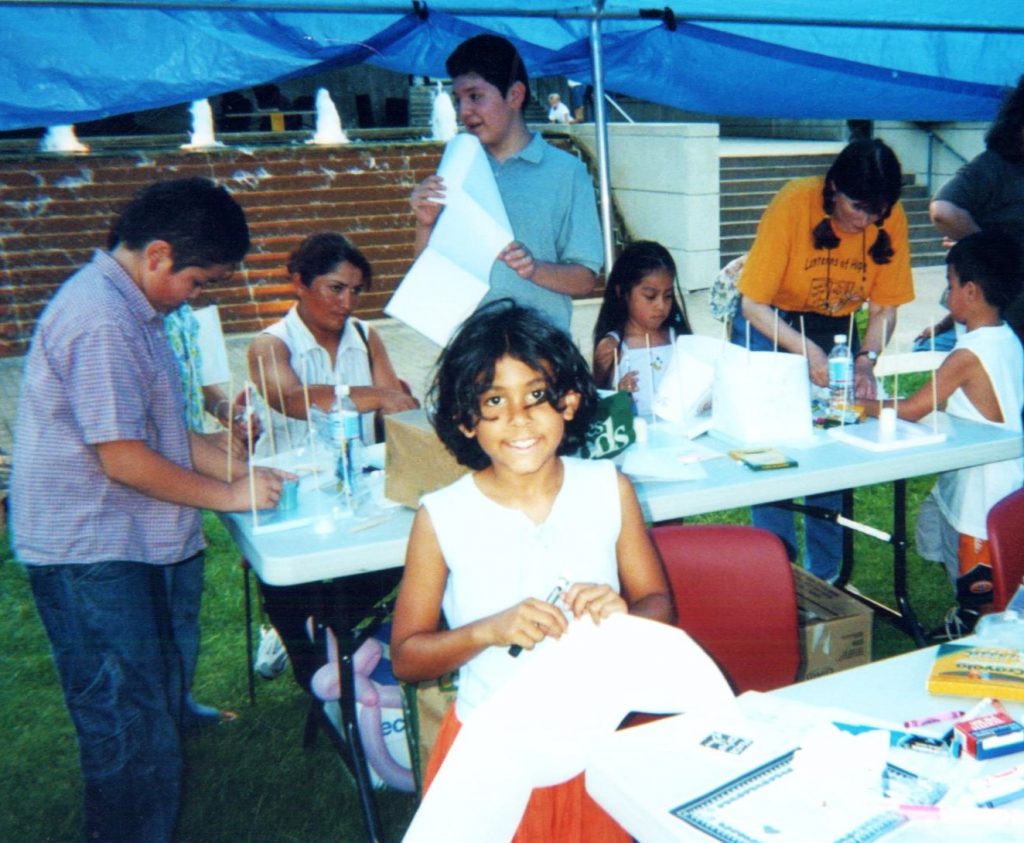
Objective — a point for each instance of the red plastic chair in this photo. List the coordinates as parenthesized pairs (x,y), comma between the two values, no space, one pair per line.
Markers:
(735,596)
(1006,543)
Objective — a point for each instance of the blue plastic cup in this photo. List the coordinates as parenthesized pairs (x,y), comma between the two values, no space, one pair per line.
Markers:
(289,495)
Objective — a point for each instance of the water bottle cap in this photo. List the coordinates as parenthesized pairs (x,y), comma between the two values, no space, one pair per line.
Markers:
(839,339)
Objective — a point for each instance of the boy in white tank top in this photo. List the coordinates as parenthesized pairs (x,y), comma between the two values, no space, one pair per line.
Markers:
(982,379)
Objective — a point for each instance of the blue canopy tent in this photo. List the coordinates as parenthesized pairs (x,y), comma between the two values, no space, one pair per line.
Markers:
(67,61)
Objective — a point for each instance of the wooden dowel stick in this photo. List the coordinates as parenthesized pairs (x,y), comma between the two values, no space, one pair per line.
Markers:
(266,402)
(280,398)
(309,418)
(650,372)
(231,420)
(252,469)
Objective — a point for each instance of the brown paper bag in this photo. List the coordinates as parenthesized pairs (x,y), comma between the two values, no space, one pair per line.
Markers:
(426,704)
(415,460)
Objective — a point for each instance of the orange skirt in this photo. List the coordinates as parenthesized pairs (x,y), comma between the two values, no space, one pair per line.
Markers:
(563,812)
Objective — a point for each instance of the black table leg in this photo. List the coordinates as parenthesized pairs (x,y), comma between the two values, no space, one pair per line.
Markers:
(249,670)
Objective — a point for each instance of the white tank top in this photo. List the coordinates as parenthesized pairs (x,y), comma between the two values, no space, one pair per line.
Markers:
(650,365)
(497,557)
(312,364)
(965,496)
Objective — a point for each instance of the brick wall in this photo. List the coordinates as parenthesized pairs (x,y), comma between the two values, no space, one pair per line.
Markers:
(55,210)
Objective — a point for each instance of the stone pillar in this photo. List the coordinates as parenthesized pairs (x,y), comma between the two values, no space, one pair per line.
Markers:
(664,180)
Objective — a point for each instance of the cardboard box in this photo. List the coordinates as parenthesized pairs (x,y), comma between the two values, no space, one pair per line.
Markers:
(416,462)
(835,628)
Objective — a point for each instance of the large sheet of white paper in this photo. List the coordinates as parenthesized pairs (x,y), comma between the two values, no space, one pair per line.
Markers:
(212,349)
(541,726)
(450,276)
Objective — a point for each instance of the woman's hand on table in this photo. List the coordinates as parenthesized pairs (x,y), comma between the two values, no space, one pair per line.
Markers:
(864,383)
(396,400)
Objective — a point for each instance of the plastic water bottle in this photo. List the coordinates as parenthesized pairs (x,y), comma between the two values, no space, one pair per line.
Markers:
(840,376)
(351,451)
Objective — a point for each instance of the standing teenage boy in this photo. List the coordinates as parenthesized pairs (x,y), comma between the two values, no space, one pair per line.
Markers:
(105,491)
(548,194)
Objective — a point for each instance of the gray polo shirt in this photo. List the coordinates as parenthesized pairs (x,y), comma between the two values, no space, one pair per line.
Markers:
(549,198)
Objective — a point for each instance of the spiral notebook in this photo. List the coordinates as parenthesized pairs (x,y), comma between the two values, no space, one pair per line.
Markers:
(763,806)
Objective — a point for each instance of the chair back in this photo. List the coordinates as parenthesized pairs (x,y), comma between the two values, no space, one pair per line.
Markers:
(1006,544)
(735,595)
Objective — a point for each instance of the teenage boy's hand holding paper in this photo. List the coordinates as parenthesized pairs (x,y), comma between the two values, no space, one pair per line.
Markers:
(449,278)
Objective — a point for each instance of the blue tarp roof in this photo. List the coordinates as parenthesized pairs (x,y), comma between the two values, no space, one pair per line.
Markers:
(68,62)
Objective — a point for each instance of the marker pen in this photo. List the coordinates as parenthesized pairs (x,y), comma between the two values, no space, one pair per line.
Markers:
(935,718)
(552,598)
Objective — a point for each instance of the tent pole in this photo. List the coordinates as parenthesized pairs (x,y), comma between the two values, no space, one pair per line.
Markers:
(601,130)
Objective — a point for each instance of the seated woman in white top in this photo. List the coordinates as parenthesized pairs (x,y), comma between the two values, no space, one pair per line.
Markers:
(321,344)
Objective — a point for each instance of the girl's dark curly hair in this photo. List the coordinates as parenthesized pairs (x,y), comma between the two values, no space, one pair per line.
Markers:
(1004,135)
(637,261)
(869,172)
(465,371)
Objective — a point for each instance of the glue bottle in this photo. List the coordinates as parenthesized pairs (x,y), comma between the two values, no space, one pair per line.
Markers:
(840,376)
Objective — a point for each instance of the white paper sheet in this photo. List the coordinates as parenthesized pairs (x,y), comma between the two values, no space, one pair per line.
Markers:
(212,349)
(871,437)
(540,727)
(450,276)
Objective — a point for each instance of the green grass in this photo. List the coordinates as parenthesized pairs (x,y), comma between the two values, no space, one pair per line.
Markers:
(246,782)
(251,781)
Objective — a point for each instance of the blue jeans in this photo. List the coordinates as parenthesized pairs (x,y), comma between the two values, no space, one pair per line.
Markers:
(184,582)
(823,540)
(109,631)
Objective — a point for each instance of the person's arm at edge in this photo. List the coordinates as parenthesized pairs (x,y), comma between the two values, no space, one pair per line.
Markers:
(953,222)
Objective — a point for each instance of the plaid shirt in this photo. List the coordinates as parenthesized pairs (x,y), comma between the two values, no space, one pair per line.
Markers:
(99,369)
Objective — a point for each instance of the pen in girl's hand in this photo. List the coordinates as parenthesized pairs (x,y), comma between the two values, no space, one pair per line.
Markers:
(552,598)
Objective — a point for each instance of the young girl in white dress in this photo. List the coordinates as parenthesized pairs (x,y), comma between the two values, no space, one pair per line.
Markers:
(638,323)
(512,395)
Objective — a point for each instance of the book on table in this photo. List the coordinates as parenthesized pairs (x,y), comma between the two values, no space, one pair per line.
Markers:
(978,670)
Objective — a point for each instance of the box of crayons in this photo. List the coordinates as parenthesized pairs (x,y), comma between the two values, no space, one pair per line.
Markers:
(990,735)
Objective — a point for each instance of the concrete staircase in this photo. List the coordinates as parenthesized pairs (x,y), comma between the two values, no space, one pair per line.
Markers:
(748,184)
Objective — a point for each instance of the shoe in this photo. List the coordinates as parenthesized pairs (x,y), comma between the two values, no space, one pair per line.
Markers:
(271,656)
